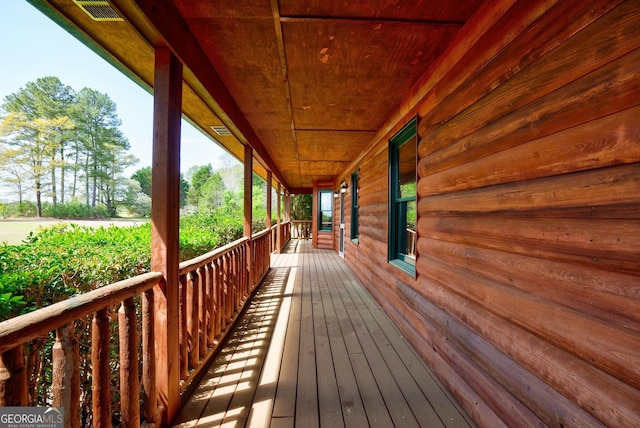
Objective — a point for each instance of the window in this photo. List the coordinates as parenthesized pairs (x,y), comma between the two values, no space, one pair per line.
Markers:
(354,206)
(325,210)
(402,198)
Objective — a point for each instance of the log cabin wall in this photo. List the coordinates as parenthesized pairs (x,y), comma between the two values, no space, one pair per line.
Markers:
(526,301)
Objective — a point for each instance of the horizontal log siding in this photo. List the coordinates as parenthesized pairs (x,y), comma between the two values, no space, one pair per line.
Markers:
(523,167)
(527,296)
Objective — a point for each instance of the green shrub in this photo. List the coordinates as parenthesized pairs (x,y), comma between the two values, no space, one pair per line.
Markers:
(74,210)
(19,209)
(66,259)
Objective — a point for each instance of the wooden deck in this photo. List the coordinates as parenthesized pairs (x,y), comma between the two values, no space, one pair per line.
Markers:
(314,349)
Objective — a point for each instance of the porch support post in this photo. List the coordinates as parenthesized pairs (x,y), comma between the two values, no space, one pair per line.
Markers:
(314,215)
(248,207)
(288,206)
(269,206)
(165,196)
(269,197)
(279,208)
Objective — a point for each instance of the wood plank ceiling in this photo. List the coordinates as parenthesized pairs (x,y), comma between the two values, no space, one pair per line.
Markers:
(315,79)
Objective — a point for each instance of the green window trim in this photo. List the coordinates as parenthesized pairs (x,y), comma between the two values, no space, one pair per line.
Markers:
(403,198)
(325,210)
(354,206)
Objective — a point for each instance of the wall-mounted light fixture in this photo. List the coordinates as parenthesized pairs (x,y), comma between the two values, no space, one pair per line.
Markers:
(343,186)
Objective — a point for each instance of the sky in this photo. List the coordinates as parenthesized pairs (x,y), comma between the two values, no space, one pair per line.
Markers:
(33,46)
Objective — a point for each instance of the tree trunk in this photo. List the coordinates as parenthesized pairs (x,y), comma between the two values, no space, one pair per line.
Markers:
(86,181)
(38,199)
(95,185)
(62,171)
(76,167)
(54,195)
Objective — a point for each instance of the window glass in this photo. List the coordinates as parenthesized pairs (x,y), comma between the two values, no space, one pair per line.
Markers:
(407,170)
(402,198)
(325,208)
(354,206)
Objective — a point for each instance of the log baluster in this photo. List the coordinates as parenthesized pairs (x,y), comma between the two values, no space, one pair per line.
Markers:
(240,278)
(219,293)
(129,381)
(101,385)
(66,375)
(211,308)
(201,277)
(256,261)
(183,331)
(242,284)
(235,273)
(13,378)
(193,297)
(228,292)
(149,387)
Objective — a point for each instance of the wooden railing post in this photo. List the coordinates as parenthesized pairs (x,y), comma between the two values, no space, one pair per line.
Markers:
(165,215)
(66,375)
(193,302)
(100,372)
(13,378)
(279,222)
(211,304)
(183,332)
(129,383)
(248,207)
(149,388)
(269,203)
(219,296)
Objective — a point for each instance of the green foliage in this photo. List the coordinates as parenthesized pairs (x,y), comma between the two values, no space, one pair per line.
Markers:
(11,302)
(135,201)
(198,179)
(301,207)
(184,191)
(210,193)
(74,210)
(18,209)
(143,176)
(66,259)
(48,131)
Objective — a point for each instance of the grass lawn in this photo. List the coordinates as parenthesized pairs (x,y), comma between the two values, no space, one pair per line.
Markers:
(14,231)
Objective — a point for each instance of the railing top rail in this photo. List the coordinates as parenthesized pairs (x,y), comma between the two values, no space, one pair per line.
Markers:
(260,234)
(198,262)
(21,329)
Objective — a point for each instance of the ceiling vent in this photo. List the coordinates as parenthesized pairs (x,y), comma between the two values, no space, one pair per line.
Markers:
(221,130)
(98,10)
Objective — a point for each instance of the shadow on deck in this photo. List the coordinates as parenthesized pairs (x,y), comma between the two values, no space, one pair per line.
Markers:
(314,349)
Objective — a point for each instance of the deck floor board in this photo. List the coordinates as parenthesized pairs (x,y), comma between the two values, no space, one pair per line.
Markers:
(315,350)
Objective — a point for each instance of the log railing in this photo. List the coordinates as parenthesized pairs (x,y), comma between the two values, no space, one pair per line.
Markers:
(285,232)
(274,238)
(261,253)
(61,318)
(301,229)
(213,290)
